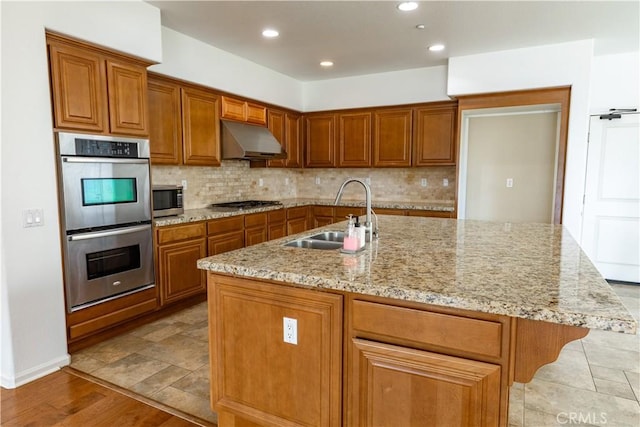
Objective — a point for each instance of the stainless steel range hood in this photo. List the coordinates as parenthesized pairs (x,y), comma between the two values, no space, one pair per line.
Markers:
(243,141)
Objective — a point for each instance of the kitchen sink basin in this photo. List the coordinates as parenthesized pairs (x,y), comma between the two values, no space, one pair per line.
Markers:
(332,236)
(314,244)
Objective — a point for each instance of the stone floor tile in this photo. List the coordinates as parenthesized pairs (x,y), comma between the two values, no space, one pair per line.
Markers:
(612,340)
(632,291)
(187,402)
(604,373)
(166,332)
(554,399)
(574,345)
(160,380)
(115,348)
(194,383)
(614,388)
(191,315)
(571,368)
(85,363)
(626,360)
(179,350)
(199,331)
(516,405)
(533,418)
(130,370)
(634,382)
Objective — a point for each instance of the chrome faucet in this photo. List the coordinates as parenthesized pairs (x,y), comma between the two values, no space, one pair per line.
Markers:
(371,231)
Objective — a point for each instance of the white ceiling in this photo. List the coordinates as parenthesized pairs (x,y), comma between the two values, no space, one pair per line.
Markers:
(364,37)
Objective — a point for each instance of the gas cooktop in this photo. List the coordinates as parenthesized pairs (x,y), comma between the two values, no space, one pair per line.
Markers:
(244,204)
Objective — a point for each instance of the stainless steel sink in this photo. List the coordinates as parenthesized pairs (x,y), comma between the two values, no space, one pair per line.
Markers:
(332,236)
(314,244)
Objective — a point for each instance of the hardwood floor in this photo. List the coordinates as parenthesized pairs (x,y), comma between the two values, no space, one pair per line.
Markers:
(66,398)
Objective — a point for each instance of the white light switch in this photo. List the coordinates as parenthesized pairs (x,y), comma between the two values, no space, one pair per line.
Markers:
(33,218)
(509,182)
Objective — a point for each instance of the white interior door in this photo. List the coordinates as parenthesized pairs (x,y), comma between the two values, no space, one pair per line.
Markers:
(611,218)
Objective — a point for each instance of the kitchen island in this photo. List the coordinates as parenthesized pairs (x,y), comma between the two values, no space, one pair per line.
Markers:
(429,325)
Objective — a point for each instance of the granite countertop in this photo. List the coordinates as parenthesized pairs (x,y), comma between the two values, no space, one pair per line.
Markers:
(203,214)
(531,271)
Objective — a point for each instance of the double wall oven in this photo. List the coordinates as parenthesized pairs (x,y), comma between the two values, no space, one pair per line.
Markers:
(105,192)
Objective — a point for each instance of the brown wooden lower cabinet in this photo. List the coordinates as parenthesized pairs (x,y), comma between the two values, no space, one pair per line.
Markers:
(255,228)
(277,224)
(297,219)
(399,386)
(179,276)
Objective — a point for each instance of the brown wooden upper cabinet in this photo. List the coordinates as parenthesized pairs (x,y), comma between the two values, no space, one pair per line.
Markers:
(243,111)
(287,129)
(185,124)
(200,127)
(94,91)
(354,140)
(320,140)
(434,134)
(392,137)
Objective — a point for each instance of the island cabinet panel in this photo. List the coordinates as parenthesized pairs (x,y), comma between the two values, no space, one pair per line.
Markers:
(256,377)
(392,137)
(179,249)
(165,122)
(225,234)
(320,141)
(434,135)
(255,228)
(354,140)
(397,386)
(297,220)
(200,127)
(277,224)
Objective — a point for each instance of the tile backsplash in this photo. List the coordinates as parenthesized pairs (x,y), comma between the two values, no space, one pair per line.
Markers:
(235,180)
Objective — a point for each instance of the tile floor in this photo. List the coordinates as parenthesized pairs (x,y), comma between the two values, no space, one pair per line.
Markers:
(595,381)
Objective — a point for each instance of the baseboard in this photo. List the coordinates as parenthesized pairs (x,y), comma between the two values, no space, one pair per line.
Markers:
(34,373)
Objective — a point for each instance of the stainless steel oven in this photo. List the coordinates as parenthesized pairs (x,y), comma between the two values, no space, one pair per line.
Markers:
(107,235)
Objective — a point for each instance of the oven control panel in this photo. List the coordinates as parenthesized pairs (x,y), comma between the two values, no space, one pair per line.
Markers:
(97,148)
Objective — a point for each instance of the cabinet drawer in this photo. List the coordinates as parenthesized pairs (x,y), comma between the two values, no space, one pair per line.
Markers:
(225,225)
(109,319)
(276,216)
(255,220)
(299,212)
(323,211)
(446,331)
(180,232)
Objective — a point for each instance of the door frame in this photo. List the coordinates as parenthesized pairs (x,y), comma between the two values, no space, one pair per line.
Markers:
(557,98)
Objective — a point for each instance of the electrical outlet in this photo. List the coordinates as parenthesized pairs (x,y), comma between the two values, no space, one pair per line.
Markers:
(33,218)
(290,330)
(260,182)
(509,182)
(367,180)
(184,184)
(445,182)
(286,181)
(423,182)
(317,180)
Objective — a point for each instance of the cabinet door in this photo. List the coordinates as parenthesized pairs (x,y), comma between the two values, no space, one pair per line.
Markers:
(320,141)
(276,125)
(179,275)
(354,140)
(434,138)
(293,129)
(256,114)
(277,230)
(200,128)
(226,242)
(296,225)
(78,80)
(255,373)
(127,89)
(392,138)
(255,235)
(397,386)
(233,109)
(165,126)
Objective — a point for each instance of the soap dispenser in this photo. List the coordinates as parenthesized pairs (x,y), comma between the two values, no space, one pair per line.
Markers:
(361,233)
(351,241)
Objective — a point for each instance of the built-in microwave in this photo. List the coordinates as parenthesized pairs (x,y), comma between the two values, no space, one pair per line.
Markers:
(167,200)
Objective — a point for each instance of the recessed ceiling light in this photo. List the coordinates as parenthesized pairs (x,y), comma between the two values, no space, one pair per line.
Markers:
(327,63)
(407,6)
(270,33)
(436,47)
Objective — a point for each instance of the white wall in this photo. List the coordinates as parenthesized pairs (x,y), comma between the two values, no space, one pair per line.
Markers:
(392,88)
(189,59)
(615,82)
(537,67)
(33,340)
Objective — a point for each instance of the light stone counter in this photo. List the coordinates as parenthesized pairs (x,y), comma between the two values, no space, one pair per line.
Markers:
(531,271)
(203,214)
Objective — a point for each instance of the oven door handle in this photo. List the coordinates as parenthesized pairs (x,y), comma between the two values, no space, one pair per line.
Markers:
(103,160)
(109,233)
